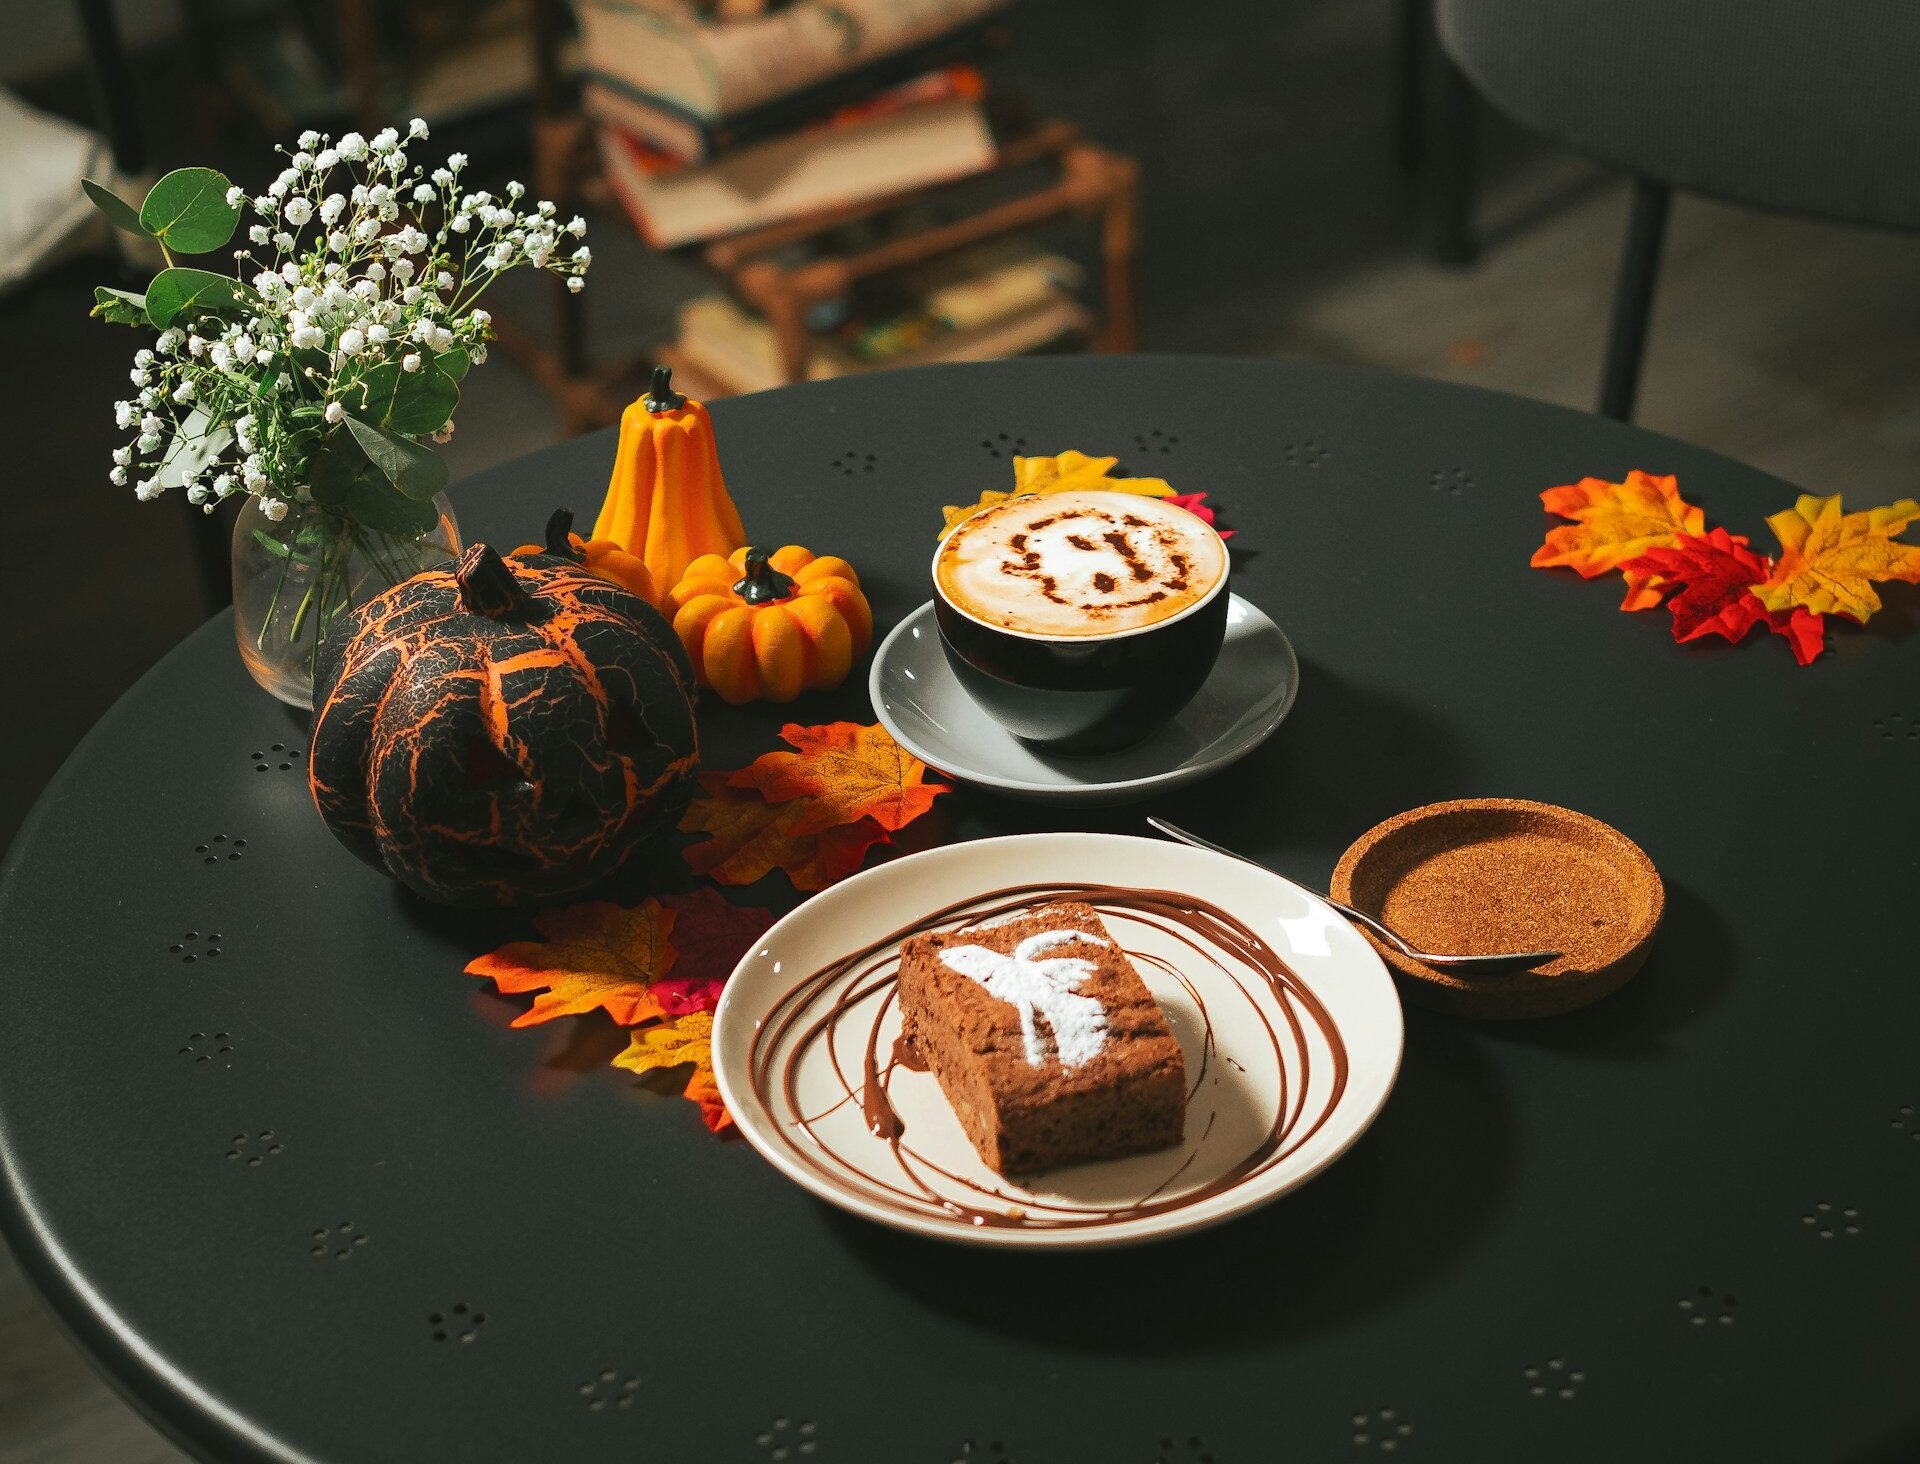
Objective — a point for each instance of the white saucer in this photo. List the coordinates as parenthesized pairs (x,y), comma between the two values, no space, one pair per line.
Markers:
(1283,1075)
(1247,696)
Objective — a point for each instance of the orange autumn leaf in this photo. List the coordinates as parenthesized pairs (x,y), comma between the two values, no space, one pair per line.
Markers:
(845,772)
(1615,522)
(685,1039)
(752,837)
(1829,560)
(596,955)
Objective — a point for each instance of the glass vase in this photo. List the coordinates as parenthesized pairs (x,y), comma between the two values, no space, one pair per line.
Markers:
(295,580)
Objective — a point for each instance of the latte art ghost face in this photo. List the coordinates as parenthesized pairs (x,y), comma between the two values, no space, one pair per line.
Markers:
(1079,564)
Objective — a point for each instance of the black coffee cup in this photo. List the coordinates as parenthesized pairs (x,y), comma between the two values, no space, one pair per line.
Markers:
(1084,694)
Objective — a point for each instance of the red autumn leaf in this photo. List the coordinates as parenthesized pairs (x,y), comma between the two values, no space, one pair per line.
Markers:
(1805,632)
(711,934)
(1196,504)
(1712,578)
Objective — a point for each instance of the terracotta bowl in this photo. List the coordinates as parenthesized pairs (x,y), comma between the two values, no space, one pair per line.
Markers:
(1481,875)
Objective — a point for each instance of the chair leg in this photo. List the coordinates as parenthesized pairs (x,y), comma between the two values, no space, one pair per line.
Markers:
(1412,44)
(1633,297)
(1453,119)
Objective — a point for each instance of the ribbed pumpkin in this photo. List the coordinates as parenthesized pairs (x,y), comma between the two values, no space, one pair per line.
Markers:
(766,627)
(666,501)
(502,733)
(597,556)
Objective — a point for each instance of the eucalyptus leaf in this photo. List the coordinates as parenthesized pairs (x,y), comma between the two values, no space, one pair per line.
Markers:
(454,361)
(187,210)
(414,468)
(410,402)
(372,504)
(119,307)
(196,444)
(120,213)
(186,292)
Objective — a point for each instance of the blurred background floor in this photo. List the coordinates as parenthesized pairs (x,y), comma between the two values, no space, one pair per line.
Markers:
(1273,222)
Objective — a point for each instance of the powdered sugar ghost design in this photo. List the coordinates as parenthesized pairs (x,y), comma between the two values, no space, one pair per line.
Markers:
(1041,988)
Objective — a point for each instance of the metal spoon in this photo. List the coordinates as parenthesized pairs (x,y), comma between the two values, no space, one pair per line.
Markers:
(1495,965)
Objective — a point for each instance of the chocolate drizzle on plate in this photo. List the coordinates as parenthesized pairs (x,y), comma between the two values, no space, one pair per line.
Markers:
(801,1029)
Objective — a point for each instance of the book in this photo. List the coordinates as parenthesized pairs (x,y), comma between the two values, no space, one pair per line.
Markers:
(714,73)
(671,131)
(672,203)
(731,346)
(958,292)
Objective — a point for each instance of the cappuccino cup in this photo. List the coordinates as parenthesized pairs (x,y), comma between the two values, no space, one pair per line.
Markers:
(1081,621)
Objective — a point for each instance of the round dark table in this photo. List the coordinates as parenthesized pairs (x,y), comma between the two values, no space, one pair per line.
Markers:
(1601,1237)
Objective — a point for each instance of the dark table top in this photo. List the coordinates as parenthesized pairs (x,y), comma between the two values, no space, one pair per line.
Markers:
(1571,1196)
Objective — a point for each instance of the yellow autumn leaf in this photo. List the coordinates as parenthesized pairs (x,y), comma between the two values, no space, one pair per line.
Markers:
(1830,560)
(688,1038)
(592,955)
(1070,470)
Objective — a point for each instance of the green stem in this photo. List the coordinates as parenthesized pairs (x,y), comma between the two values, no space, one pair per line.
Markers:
(286,564)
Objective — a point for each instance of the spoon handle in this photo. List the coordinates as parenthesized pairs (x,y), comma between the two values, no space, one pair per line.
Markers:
(1359,917)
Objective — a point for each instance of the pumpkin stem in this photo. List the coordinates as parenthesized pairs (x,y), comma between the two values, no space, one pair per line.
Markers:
(661,397)
(560,535)
(762,583)
(487,586)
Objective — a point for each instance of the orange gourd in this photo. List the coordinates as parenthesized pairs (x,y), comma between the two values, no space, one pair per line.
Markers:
(766,627)
(666,502)
(600,557)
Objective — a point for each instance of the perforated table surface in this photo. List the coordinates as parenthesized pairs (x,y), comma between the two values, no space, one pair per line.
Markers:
(1677,1225)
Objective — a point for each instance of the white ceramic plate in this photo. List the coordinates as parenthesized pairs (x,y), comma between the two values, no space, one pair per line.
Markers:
(1284,1075)
(1251,689)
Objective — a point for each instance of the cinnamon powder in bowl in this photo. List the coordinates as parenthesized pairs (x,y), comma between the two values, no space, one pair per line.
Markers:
(1484,875)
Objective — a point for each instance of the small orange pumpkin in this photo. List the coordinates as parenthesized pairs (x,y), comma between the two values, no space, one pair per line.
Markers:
(601,557)
(667,503)
(766,627)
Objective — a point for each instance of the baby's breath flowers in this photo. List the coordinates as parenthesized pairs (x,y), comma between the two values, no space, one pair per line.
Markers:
(316,375)
(354,315)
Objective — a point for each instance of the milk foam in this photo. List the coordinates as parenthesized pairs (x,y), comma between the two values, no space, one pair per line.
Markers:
(1085,563)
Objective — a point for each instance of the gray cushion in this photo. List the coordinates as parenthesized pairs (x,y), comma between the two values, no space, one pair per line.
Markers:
(1790,104)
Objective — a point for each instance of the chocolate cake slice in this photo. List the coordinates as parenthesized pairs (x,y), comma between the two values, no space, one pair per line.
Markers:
(1044,1039)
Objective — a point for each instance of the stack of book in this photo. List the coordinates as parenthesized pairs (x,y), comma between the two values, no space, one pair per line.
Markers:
(977,305)
(710,126)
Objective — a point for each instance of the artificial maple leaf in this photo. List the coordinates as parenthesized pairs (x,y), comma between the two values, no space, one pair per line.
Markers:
(1829,560)
(1711,578)
(1076,470)
(846,772)
(686,1039)
(593,955)
(1196,504)
(1059,474)
(752,837)
(1804,631)
(710,934)
(952,513)
(1615,522)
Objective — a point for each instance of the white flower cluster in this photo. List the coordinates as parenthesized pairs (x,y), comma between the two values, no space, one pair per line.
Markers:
(346,281)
